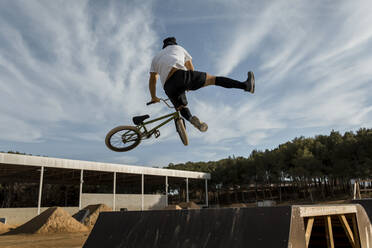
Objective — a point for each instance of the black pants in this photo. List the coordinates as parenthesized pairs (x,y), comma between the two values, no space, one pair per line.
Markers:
(181,81)
(176,86)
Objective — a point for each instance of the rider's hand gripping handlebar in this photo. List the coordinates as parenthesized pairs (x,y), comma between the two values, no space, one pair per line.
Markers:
(161,99)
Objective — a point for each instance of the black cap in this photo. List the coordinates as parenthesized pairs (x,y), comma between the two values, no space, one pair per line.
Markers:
(169,41)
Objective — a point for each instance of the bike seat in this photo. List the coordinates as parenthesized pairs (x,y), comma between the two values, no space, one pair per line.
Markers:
(139,119)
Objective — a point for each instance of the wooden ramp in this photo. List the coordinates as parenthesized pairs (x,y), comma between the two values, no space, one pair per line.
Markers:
(287,227)
(367,205)
(334,225)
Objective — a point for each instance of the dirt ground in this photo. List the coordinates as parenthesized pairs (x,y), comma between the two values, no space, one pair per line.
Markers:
(55,240)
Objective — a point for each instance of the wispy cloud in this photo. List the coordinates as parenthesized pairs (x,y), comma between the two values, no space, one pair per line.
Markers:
(233,122)
(70,72)
(80,62)
(312,67)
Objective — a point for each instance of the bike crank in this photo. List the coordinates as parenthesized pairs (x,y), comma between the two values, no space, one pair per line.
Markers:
(156,133)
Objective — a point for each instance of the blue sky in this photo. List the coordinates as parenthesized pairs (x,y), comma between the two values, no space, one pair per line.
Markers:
(72,70)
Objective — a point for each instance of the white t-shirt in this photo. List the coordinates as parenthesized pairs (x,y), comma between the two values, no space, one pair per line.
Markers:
(171,56)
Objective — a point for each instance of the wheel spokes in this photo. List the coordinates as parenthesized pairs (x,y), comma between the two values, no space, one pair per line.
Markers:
(123,138)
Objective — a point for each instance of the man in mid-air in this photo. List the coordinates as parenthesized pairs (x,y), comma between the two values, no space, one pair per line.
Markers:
(173,64)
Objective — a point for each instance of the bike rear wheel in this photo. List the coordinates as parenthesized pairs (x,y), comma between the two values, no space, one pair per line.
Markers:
(123,138)
(181,129)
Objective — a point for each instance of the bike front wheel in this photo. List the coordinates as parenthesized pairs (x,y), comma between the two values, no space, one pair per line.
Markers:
(181,129)
(123,138)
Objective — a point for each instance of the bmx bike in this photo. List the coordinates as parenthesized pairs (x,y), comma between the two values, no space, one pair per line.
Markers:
(125,138)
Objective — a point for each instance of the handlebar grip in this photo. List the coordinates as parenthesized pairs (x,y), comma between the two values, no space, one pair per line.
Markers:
(152,102)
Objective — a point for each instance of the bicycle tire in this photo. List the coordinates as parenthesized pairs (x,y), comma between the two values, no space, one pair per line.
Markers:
(181,130)
(131,133)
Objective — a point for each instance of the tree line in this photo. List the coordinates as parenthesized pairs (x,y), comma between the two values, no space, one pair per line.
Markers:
(303,169)
(307,169)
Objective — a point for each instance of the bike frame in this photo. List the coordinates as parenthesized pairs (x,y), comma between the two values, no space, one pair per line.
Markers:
(147,133)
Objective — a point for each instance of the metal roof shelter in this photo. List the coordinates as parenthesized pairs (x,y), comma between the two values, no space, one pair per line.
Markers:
(22,167)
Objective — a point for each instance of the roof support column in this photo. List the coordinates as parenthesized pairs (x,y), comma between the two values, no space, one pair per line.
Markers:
(187,190)
(81,186)
(142,191)
(114,193)
(166,191)
(206,192)
(40,189)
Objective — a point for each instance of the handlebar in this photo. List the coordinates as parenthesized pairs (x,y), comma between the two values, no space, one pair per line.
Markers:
(163,100)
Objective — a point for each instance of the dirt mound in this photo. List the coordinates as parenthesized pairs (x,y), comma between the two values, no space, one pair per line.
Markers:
(189,205)
(172,207)
(94,211)
(5,227)
(52,220)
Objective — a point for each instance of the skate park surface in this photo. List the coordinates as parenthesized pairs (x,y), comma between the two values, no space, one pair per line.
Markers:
(332,225)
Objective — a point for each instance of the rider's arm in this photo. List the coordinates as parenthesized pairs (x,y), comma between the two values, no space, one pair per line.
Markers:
(189,65)
(152,86)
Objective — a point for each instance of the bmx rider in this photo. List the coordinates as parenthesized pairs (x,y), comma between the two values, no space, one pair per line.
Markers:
(173,64)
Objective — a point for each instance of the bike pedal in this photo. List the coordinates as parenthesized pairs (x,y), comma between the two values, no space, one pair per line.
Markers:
(157,133)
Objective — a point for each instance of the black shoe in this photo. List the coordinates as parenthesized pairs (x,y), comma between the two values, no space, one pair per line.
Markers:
(250,82)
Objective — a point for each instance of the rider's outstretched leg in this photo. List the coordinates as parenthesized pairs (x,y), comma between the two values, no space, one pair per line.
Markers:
(225,82)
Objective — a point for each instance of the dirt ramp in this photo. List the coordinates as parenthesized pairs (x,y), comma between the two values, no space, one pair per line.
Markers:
(208,228)
(172,207)
(52,220)
(94,211)
(5,228)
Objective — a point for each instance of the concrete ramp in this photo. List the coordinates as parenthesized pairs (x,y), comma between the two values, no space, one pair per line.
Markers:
(287,227)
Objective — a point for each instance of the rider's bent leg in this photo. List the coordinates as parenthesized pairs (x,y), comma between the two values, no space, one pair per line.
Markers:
(185,112)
